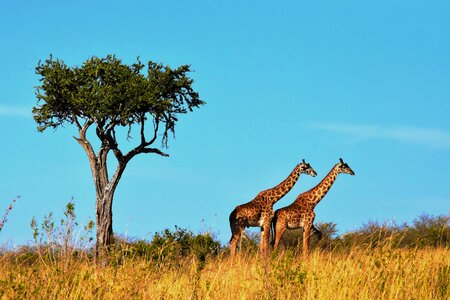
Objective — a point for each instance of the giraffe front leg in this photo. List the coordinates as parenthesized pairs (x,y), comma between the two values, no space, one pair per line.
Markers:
(265,237)
(306,235)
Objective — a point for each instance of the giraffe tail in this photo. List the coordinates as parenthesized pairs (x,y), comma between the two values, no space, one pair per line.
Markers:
(273,223)
(232,222)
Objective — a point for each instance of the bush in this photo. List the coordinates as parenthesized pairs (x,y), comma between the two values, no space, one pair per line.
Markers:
(425,231)
(431,231)
(168,247)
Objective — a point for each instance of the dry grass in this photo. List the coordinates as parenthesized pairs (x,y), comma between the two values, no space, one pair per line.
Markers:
(380,273)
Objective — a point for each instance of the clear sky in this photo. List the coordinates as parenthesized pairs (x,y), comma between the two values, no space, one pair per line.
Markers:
(368,81)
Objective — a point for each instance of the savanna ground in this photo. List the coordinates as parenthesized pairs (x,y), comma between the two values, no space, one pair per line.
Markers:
(375,262)
(379,273)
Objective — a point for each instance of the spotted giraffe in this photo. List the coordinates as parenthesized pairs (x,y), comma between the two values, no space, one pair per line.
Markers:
(300,214)
(259,211)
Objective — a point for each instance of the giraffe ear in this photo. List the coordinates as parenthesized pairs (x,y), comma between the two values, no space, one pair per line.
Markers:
(340,159)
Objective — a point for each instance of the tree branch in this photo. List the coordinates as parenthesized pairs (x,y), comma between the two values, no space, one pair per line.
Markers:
(144,142)
(154,150)
(155,134)
(109,142)
(75,120)
(140,149)
(143,131)
(82,139)
(100,179)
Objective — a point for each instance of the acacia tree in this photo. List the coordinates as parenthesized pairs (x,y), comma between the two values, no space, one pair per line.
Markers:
(105,95)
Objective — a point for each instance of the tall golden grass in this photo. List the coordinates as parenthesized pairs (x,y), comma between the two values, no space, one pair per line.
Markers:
(377,273)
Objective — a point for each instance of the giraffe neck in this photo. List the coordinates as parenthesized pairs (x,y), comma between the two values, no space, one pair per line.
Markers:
(316,194)
(284,187)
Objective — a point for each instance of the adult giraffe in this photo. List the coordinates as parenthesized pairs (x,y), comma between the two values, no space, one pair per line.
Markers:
(300,214)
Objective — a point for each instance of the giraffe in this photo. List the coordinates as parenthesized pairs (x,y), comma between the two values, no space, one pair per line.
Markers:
(259,211)
(301,212)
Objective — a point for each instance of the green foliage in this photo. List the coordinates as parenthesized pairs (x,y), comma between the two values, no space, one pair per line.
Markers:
(425,231)
(286,271)
(169,247)
(431,231)
(109,93)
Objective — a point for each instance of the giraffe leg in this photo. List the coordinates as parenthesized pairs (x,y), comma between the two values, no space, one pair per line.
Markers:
(280,228)
(234,241)
(306,235)
(265,236)
(236,231)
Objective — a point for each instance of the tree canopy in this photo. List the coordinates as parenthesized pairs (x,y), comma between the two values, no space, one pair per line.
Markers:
(109,93)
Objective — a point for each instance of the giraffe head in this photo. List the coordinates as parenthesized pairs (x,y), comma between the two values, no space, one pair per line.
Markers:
(306,168)
(344,168)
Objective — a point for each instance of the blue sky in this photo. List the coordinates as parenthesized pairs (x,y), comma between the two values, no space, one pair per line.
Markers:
(365,81)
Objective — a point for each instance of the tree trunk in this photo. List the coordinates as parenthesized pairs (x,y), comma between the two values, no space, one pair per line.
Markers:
(105,195)
(104,189)
(103,223)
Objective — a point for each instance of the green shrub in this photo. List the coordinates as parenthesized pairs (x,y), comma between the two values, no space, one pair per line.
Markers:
(425,231)
(168,247)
